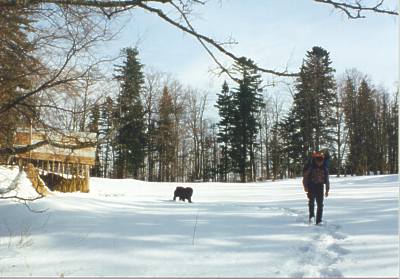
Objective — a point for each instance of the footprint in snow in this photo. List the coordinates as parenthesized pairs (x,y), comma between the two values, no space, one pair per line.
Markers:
(319,256)
(321,252)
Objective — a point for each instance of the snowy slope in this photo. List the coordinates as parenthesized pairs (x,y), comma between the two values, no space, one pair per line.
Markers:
(132,228)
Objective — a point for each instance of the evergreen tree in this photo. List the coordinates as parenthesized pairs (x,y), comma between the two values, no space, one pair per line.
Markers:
(314,102)
(292,150)
(224,105)
(349,108)
(130,134)
(368,119)
(246,105)
(17,66)
(365,129)
(165,136)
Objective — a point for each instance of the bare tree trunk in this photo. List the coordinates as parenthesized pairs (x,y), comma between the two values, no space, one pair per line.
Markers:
(338,141)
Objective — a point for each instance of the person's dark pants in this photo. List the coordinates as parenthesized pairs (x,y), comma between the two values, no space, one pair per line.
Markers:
(316,193)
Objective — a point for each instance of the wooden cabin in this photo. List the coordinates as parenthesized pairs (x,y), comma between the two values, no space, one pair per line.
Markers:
(61,165)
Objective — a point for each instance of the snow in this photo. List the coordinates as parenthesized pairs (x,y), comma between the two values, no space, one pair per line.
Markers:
(133,228)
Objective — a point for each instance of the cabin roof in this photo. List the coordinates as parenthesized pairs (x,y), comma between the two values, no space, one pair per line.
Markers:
(85,156)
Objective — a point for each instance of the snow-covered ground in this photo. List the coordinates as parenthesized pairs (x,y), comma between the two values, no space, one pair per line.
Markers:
(133,228)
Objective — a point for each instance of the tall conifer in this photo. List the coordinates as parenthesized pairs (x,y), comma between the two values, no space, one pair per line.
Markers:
(314,102)
(224,105)
(131,134)
(246,105)
(165,136)
(365,129)
(17,67)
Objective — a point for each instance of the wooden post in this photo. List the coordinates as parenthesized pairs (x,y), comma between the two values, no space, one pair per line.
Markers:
(75,177)
(86,181)
(84,184)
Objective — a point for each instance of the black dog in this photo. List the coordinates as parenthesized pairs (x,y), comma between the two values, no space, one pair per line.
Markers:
(183,193)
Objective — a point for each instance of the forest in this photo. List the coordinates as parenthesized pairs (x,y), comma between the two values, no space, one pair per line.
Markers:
(151,126)
(163,135)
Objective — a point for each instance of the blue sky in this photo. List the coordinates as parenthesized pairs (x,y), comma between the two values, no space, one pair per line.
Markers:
(274,33)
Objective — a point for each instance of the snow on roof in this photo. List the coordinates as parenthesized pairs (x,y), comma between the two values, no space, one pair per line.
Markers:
(50,152)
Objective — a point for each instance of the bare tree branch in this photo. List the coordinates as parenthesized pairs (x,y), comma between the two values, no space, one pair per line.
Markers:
(84,3)
(4,194)
(208,40)
(354,9)
(25,201)
(121,6)
(64,73)
(21,199)
(223,69)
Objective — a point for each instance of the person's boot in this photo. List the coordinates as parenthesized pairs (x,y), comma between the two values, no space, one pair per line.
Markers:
(319,215)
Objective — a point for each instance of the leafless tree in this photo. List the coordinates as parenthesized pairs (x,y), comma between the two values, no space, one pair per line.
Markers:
(154,83)
(178,104)
(63,39)
(196,107)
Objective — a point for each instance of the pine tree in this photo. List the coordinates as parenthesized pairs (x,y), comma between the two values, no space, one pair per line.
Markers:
(291,137)
(246,106)
(224,105)
(314,102)
(131,134)
(165,136)
(349,108)
(17,65)
(365,129)
(368,119)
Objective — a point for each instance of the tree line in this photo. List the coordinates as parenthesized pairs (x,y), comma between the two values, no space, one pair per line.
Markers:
(160,133)
(156,129)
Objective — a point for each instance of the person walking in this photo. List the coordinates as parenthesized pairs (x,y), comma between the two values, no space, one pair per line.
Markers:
(314,177)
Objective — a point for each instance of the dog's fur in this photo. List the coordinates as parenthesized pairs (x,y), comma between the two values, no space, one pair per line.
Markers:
(183,193)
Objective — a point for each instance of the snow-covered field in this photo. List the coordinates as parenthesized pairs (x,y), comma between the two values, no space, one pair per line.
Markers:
(133,228)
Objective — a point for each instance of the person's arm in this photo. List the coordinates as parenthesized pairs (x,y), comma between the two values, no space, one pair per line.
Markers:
(327,183)
(305,181)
